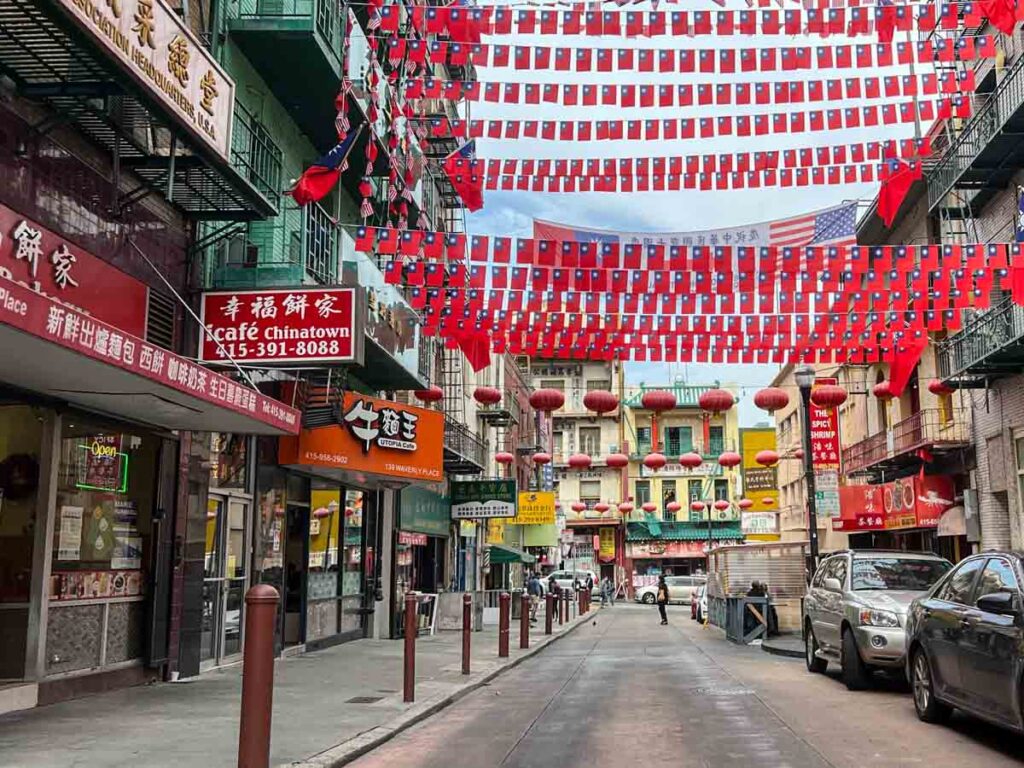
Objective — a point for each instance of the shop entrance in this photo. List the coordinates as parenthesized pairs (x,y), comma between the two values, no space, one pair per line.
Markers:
(296,559)
(225,578)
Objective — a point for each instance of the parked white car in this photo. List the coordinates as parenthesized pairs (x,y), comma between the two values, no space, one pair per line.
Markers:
(679,590)
(565,579)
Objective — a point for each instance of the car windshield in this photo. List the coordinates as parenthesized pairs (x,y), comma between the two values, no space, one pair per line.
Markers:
(896,573)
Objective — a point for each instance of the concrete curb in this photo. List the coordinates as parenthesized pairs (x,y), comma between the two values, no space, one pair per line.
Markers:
(359,745)
(777,648)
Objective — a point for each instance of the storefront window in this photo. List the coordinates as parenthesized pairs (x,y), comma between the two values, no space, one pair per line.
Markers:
(20,438)
(106,485)
(354,562)
(229,458)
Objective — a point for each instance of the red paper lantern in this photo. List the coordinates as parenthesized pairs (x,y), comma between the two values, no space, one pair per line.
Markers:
(649,506)
(429,395)
(625,507)
(542,458)
(882,390)
(691,460)
(504,457)
(730,459)
(744,503)
(547,400)
(940,388)
(673,506)
(321,512)
(578,506)
(716,401)
(799,453)
(579,461)
(828,396)
(767,458)
(658,400)
(655,461)
(697,506)
(617,460)
(487,395)
(602,507)
(771,399)
(721,505)
(600,401)
(768,501)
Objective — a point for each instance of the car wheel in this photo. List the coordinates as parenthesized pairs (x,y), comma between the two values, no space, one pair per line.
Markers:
(814,664)
(928,708)
(648,598)
(856,674)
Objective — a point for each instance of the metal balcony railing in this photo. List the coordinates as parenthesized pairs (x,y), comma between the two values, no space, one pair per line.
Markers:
(928,428)
(981,337)
(256,155)
(325,14)
(465,451)
(989,118)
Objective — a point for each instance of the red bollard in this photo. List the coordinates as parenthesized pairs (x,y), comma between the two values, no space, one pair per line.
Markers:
(467,628)
(583,601)
(524,621)
(257,677)
(549,612)
(561,608)
(504,606)
(409,675)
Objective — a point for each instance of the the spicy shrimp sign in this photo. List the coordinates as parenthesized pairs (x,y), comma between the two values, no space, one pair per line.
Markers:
(287,326)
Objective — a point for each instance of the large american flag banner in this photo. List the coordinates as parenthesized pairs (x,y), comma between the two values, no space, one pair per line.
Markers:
(828,226)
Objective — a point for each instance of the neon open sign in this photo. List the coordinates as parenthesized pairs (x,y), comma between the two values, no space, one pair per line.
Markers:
(105,466)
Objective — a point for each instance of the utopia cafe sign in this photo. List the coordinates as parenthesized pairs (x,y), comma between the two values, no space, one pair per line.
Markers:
(151,43)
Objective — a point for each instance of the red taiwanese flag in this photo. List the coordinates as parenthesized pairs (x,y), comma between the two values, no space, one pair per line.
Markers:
(897,179)
(322,176)
(1001,13)
(468,185)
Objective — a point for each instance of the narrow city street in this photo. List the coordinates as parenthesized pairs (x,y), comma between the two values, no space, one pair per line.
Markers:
(625,690)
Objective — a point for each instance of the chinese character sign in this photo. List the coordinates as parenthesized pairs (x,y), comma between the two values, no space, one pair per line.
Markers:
(34,256)
(149,40)
(536,508)
(473,499)
(824,432)
(281,327)
(911,502)
(374,436)
(606,544)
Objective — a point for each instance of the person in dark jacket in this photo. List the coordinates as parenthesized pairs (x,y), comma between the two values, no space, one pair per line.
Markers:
(662,599)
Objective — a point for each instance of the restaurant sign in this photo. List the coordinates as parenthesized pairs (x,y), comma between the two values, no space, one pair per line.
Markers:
(911,502)
(472,499)
(150,42)
(35,257)
(43,318)
(275,327)
(536,508)
(661,549)
(378,437)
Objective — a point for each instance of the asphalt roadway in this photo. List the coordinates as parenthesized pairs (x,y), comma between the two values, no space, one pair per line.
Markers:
(626,691)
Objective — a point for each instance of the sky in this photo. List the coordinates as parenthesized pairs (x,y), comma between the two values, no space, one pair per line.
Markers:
(512,213)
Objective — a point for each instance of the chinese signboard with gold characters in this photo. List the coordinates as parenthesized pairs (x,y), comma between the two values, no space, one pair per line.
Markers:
(606,544)
(536,508)
(151,44)
(377,437)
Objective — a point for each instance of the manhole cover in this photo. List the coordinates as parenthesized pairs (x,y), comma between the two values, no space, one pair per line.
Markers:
(364,700)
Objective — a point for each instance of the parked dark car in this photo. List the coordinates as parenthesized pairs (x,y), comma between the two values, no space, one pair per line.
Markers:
(964,642)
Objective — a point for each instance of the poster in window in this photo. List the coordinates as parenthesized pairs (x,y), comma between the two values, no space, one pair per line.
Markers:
(98,538)
(69,542)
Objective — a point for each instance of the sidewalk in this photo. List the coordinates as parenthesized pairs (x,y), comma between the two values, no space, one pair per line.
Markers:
(329,707)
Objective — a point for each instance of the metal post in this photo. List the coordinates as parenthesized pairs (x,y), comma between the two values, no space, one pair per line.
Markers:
(409,676)
(561,608)
(812,512)
(257,677)
(467,629)
(524,621)
(549,611)
(582,598)
(504,606)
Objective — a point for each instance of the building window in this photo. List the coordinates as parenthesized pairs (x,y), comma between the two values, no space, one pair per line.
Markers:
(590,492)
(716,440)
(721,490)
(693,490)
(678,440)
(668,495)
(643,439)
(945,408)
(643,492)
(590,441)
(557,443)
(599,384)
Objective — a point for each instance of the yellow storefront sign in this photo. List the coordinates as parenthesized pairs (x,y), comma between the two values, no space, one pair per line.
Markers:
(495,530)
(536,508)
(606,542)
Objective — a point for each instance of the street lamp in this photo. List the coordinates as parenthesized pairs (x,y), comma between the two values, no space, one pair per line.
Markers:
(805,380)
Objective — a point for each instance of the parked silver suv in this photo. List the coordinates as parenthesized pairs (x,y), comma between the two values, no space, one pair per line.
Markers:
(855,610)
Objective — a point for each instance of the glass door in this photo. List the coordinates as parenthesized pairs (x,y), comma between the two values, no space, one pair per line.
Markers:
(225,578)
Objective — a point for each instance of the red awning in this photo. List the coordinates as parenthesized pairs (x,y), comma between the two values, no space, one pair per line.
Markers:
(59,351)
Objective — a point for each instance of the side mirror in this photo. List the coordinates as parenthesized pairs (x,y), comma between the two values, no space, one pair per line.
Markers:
(1001,603)
(832,584)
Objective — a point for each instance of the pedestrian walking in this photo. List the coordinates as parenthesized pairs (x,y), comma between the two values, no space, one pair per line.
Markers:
(662,599)
(606,591)
(534,590)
